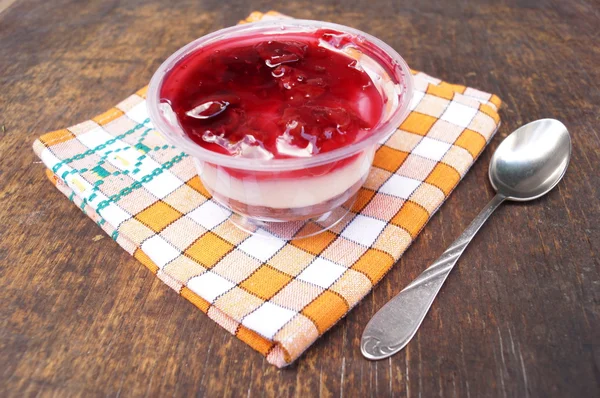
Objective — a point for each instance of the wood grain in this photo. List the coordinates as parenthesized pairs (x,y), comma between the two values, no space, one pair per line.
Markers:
(519,316)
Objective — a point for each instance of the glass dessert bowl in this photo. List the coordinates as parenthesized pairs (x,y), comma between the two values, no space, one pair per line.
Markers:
(282,118)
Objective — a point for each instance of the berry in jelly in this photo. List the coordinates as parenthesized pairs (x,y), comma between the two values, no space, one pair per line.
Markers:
(275,96)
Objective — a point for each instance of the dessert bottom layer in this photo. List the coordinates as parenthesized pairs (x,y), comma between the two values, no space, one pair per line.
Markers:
(265,213)
(284,195)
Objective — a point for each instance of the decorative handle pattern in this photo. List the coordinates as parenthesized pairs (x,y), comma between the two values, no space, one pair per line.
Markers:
(395,324)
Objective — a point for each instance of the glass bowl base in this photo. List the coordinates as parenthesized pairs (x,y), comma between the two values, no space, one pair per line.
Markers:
(288,230)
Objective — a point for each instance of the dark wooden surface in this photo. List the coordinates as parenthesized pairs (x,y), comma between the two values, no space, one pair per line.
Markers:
(518,317)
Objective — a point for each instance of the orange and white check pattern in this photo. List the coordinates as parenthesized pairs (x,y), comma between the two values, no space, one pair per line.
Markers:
(277,296)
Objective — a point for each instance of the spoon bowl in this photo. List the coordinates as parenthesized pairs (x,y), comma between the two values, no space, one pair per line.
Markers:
(531,161)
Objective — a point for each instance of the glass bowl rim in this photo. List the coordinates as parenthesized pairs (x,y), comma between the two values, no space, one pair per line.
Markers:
(380,131)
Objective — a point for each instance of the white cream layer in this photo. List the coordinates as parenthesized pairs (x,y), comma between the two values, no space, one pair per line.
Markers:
(285,193)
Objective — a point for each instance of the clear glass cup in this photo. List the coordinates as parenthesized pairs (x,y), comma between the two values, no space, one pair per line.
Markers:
(281,195)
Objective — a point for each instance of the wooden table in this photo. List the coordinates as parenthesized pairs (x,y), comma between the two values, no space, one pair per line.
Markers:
(518,317)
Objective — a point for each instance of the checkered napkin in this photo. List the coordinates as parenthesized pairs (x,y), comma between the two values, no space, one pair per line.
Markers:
(277,296)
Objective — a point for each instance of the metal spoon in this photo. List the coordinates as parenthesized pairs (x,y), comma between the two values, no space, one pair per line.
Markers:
(526,165)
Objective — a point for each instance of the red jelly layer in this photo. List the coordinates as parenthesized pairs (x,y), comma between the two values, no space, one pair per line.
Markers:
(273,96)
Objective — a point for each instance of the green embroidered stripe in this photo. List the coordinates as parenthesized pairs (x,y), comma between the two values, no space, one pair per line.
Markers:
(100,147)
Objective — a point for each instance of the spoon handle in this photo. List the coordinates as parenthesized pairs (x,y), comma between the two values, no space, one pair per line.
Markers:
(394,325)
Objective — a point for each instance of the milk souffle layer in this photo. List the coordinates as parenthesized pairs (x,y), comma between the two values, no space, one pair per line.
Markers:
(271,97)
